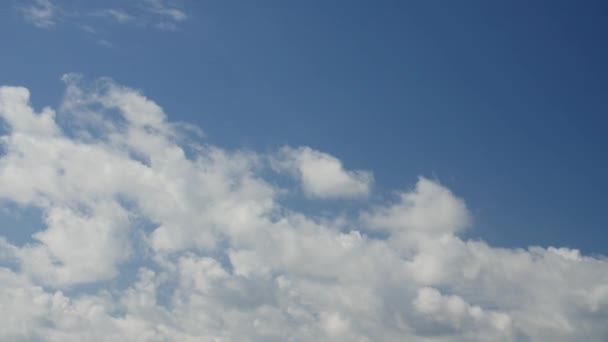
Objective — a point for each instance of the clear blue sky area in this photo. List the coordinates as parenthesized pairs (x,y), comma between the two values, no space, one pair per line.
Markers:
(504,102)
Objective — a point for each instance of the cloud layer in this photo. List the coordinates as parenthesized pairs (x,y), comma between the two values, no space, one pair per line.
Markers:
(150,234)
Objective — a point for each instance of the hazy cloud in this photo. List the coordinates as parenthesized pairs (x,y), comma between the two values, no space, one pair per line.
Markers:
(41,13)
(118,15)
(165,15)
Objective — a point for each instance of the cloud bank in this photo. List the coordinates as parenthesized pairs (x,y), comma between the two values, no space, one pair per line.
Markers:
(150,234)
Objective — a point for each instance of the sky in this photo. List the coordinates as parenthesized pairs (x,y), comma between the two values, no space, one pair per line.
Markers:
(303,171)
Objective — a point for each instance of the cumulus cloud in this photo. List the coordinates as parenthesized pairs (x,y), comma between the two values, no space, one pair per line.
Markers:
(322,175)
(180,240)
(430,209)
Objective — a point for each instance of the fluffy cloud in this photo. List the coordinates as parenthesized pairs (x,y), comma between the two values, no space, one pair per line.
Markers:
(148,234)
(429,209)
(322,175)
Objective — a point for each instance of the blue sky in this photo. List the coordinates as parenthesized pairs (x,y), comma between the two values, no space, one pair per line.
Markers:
(502,103)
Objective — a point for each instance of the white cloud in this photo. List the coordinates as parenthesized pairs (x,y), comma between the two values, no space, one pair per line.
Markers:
(117,14)
(453,312)
(322,175)
(184,241)
(166,9)
(83,247)
(41,13)
(429,209)
(161,14)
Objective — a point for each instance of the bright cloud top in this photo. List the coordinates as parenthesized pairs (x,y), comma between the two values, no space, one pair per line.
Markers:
(179,240)
(322,175)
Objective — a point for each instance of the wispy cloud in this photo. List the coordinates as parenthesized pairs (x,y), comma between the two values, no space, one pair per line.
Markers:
(118,15)
(41,13)
(105,43)
(160,14)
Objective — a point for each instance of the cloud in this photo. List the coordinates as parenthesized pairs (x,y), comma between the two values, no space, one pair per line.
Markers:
(41,13)
(164,8)
(149,234)
(429,209)
(322,175)
(105,43)
(163,15)
(116,14)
